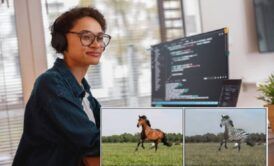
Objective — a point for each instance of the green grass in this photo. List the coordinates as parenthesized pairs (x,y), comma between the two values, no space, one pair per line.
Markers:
(207,154)
(123,154)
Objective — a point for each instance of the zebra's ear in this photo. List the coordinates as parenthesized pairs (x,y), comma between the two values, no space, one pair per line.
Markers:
(231,123)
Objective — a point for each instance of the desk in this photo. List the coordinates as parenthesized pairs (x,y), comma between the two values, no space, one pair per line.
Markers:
(91,161)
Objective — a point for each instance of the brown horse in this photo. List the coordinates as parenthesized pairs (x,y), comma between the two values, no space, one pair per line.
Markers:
(149,134)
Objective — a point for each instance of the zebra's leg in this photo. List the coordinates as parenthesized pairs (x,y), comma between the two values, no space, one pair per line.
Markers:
(221,144)
(226,144)
(239,146)
(138,145)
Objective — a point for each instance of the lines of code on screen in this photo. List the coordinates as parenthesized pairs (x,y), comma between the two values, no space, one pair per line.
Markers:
(189,71)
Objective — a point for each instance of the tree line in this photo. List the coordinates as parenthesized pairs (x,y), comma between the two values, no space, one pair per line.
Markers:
(209,137)
(178,138)
(127,137)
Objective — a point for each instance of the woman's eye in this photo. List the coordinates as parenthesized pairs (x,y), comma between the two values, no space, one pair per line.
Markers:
(100,38)
(86,37)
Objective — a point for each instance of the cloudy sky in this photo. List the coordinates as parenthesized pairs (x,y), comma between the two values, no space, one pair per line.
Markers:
(202,121)
(121,120)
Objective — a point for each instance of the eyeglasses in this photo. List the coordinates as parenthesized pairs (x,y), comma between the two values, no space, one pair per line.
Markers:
(87,38)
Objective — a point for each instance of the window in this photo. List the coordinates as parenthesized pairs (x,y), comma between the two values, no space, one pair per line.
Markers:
(11,98)
(171,19)
(193,18)
(123,76)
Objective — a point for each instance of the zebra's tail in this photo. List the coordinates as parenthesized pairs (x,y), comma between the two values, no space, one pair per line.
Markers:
(250,142)
(164,140)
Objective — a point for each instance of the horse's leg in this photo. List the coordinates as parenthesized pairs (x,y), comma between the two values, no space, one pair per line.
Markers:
(143,144)
(156,146)
(138,144)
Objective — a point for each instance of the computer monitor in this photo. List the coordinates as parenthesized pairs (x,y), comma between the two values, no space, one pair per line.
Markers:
(190,71)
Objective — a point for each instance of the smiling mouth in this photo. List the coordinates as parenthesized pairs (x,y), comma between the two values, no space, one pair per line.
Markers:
(94,54)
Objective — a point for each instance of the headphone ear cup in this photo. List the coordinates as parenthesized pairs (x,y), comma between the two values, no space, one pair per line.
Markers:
(59,42)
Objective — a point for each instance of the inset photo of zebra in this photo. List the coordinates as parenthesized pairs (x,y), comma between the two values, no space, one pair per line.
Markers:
(225,136)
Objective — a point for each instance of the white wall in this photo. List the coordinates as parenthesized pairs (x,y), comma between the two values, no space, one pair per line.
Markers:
(244,59)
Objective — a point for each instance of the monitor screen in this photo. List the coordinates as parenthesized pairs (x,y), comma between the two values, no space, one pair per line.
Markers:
(190,71)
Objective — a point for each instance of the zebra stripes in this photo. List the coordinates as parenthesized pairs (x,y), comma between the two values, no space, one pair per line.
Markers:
(233,134)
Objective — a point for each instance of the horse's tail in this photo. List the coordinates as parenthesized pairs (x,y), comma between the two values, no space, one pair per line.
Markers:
(164,140)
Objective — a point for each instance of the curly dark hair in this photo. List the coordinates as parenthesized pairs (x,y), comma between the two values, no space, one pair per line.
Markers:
(66,21)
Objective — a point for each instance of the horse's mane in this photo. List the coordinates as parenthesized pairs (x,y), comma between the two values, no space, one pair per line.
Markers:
(145,118)
(148,123)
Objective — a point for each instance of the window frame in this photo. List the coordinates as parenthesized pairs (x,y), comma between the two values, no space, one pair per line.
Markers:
(32,51)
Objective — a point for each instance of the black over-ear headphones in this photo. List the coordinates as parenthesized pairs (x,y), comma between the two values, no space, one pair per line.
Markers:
(58,40)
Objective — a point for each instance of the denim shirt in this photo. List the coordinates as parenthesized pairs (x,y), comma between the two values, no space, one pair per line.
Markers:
(57,131)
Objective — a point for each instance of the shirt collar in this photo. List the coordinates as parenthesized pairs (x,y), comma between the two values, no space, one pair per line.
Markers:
(78,91)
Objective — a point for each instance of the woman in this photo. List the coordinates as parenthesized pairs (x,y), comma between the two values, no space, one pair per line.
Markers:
(62,118)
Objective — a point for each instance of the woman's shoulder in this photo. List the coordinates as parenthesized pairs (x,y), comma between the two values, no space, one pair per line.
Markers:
(50,81)
(47,86)
(50,77)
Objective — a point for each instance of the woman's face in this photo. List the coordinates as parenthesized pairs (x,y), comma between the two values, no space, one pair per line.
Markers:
(79,54)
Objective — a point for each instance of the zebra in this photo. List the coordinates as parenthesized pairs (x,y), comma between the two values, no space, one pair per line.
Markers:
(233,134)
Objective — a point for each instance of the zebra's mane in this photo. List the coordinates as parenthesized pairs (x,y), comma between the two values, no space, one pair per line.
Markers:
(225,117)
(231,123)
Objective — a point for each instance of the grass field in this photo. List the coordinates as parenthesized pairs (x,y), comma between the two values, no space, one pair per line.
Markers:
(123,154)
(207,154)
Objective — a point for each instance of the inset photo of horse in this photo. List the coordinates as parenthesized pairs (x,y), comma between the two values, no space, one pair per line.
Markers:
(142,136)
(225,136)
